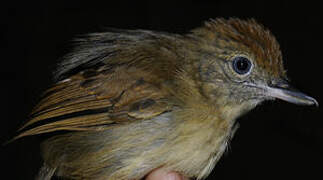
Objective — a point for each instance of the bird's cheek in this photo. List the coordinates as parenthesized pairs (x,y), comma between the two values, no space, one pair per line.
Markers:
(210,91)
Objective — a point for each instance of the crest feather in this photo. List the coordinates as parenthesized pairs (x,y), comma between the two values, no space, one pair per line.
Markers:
(247,35)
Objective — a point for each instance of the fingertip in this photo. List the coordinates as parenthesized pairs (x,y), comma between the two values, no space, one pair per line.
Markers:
(162,174)
(173,176)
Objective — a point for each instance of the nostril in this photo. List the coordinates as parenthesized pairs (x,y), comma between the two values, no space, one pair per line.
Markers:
(281,82)
(283,85)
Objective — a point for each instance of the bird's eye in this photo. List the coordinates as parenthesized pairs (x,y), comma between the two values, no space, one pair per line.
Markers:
(241,65)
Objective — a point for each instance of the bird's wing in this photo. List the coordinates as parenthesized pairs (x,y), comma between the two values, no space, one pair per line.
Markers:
(96,99)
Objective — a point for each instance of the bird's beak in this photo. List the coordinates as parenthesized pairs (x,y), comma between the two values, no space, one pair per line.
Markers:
(284,92)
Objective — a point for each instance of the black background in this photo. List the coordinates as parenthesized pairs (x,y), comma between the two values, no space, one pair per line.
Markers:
(276,140)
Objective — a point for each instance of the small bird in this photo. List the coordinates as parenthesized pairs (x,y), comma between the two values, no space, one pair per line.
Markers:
(126,102)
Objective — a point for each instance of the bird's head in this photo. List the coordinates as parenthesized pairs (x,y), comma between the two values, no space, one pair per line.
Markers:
(241,63)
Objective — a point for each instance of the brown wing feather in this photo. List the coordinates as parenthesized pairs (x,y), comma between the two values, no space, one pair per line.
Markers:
(95,103)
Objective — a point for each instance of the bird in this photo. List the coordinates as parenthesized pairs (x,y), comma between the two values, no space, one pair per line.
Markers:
(126,102)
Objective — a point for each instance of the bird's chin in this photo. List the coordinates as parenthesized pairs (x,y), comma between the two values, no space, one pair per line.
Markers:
(257,101)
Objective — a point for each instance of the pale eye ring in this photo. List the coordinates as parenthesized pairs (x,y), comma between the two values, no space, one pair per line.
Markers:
(241,65)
